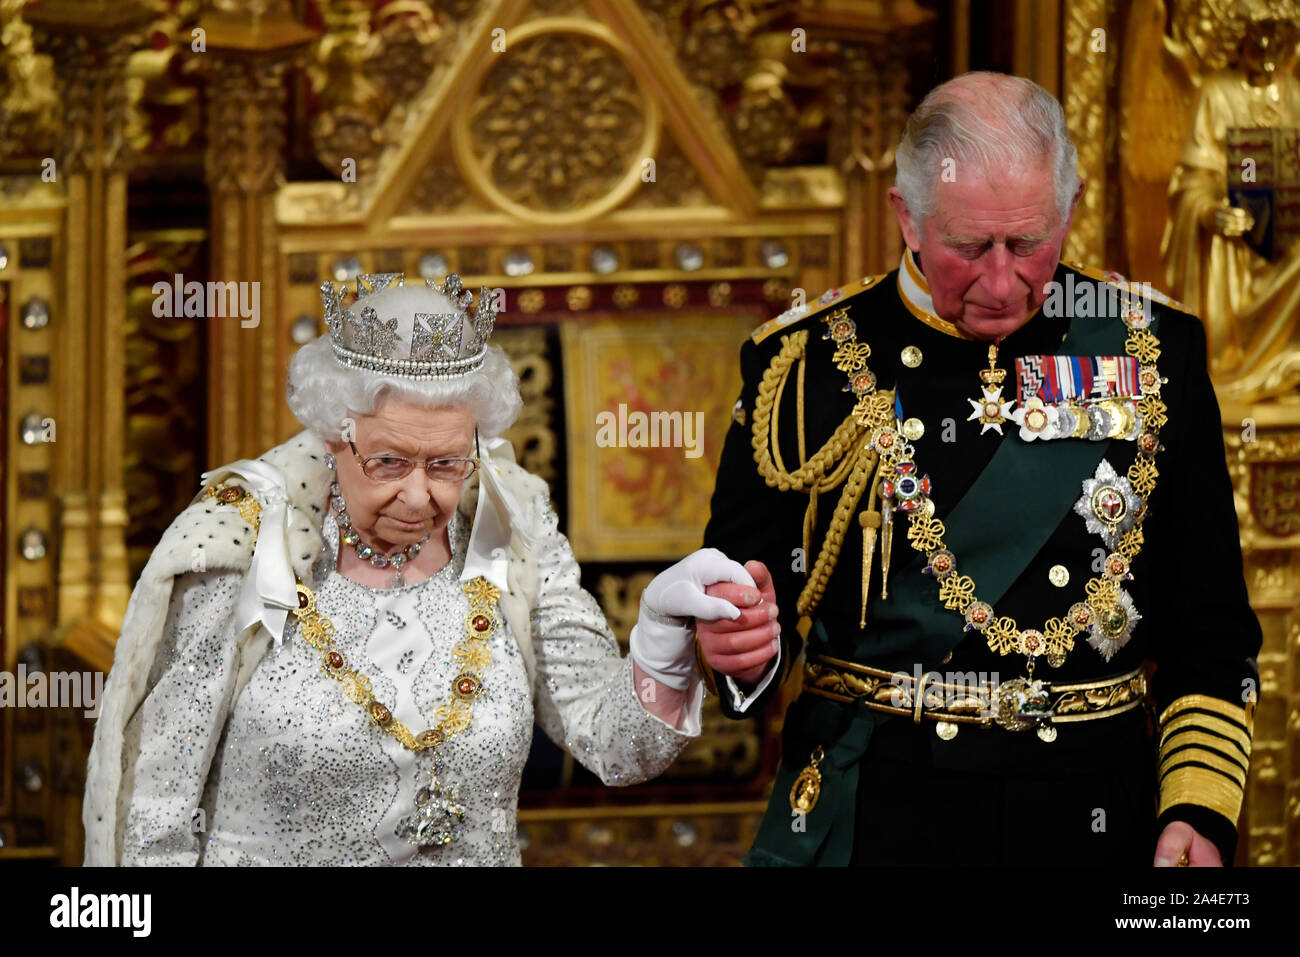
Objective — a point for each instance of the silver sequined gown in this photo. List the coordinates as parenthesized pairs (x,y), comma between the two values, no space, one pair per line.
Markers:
(293,772)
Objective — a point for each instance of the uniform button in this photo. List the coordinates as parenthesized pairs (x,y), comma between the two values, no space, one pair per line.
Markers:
(911,357)
(1059,576)
(913,428)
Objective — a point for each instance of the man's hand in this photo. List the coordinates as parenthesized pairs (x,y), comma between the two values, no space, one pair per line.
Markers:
(743,648)
(1178,838)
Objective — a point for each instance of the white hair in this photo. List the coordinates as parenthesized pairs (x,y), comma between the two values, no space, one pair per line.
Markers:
(322,393)
(990,120)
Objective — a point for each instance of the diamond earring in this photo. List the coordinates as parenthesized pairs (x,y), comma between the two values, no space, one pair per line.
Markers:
(329,462)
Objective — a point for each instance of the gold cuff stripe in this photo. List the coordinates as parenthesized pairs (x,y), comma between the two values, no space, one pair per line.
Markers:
(1189,784)
(1197,739)
(1229,739)
(1208,723)
(1211,759)
(1201,702)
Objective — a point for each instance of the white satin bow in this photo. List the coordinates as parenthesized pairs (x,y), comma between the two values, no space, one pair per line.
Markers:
(496,517)
(269,590)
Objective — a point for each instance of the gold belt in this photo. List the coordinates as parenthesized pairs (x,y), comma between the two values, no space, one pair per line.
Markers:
(1017,705)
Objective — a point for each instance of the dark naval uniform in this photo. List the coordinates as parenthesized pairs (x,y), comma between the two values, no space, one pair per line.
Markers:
(1146,715)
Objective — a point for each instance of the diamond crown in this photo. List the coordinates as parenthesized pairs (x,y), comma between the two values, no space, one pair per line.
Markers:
(403,331)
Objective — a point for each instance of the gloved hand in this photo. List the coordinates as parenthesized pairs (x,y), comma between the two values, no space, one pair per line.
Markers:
(663,641)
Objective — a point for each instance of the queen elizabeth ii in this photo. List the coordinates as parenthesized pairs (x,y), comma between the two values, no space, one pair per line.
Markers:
(337,652)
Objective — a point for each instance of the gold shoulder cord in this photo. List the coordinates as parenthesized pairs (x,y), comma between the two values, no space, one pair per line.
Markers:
(847,458)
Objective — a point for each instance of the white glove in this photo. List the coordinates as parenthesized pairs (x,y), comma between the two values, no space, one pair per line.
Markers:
(663,638)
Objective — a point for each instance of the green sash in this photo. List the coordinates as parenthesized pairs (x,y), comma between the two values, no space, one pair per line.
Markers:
(995,535)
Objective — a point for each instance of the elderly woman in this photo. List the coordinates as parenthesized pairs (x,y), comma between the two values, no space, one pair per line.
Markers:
(336,654)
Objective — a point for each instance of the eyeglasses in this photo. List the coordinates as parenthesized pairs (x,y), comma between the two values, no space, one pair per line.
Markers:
(392,468)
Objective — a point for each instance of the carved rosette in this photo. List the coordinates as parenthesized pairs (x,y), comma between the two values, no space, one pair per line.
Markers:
(559,126)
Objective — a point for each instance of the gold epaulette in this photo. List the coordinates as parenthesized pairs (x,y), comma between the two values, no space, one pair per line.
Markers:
(835,296)
(1112,278)
(1205,753)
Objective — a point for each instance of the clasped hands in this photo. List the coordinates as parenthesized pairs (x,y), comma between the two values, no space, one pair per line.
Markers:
(735,617)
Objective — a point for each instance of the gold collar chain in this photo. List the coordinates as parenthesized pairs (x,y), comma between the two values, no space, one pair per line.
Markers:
(1103,611)
(438,815)
(473,654)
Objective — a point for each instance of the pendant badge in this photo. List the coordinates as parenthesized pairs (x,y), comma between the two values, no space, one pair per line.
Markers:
(1112,626)
(1108,506)
(807,786)
(991,410)
(1036,420)
(905,490)
(439,816)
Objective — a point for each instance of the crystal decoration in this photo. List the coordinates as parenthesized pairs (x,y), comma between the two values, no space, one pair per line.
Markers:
(367,553)
(688,256)
(384,339)
(436,336)
(774,254)
(36,313)
(604,260)
(32,544)
(32,428)
(346,269)
(685,833)
(517,263)
(432,265)
(303,329)
(370,283)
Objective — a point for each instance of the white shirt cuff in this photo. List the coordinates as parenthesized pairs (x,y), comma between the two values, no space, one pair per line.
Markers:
(692,709)
(691,720)
(740,701)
